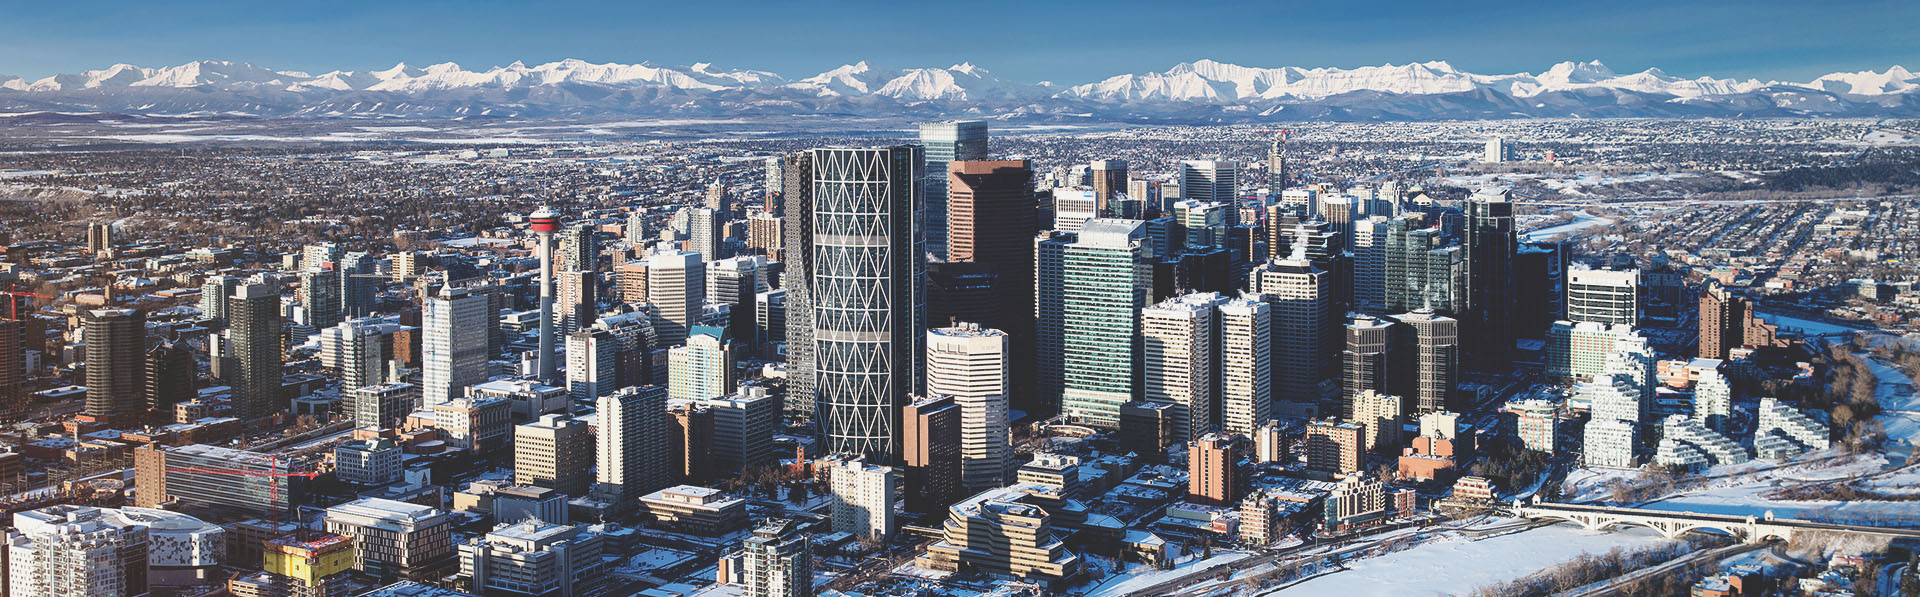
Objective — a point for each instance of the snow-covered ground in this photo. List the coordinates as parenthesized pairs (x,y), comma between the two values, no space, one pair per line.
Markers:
(1581,221)
(1455,565)
(1807,326)
(1900,409)
(1147,576)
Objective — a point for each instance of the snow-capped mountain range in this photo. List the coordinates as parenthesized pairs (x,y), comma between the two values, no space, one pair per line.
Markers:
(1203,90)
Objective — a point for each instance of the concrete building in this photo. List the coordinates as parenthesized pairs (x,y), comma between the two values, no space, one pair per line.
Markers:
(554,452)
(252,356)
(930,454)
(1784,432)
(1335,447)
(1366,362)
(1049,317)
(778,560)
(374,461)
(454,350)
(1611,398)
(677,288)
(1301,297)
(180,475)
(744,424)
(394,540)
(1606,297)
(474,423)
(1685,444)
(1381,420)
(534,558)
(863,497)
(632,459)
(1609,443)
(69,550)
(1713,400)
(593,361)
(1535,422)
(1213,470)
(1270,443)
(1002,532)
(380,405)
(526,399)
(694,510)
(1246,364)
(970,364)
(1433,342)
(702,369)
(1178,344)
(1579,350)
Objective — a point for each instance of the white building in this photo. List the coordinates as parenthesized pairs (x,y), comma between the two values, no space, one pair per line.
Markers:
(593,357)
(1611,398)
(67,550)
(1378,416)
(474,423)
(1784,431)
(633,455)
(1579,350)
(969,363)
(1177,342)
(1608,297)
(677,288)
(392,538)
(454,346)
(1708,447)
(374,461)
(863,497)
(1609,443)
(1246,374)
(1072,207)
(534,557)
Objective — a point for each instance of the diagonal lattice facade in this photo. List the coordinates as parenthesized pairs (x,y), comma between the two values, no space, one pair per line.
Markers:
(867,294)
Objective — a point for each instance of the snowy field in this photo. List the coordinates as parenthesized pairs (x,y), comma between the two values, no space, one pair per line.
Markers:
(1807,326)
(1116,587)
(1457,565)
(1581,221)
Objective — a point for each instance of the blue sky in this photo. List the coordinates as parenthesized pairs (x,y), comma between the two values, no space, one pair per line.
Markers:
(1063,41)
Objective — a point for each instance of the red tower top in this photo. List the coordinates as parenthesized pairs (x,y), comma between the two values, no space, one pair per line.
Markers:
(543,220)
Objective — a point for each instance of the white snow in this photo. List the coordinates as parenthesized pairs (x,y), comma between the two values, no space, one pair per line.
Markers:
(1455,565)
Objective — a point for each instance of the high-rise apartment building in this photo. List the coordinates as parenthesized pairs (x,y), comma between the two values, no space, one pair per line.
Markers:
(797,280)
(867,301)
(944,142)
(357,350)
(579,248)
(1181,364)
(1246,364)
(632,459)
(1381,417)
(703,368)
(1213,470)
(863,496)
(744,423)
(454,350)
(170,378)
(703,226)
(116,361)
(577,301)
(553,452)
(970,364)
(320,294)
(1335,446)
(253,348)
(1106,278)
(778,560)
(1608,443)
(593,359)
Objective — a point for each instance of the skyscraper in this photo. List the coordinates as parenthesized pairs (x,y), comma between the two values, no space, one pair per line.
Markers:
(703,368)
(593,361)
(1435,358)
(677,287)
(797,280)
(867,301)
(579,301)
(1180,365)
(1301,296)
(1367,362)
(1491,244)
(703,226)
(454,347)
(633,455)
(970,364)
(320,294)
(579,246)
(253,342)
(1212,180)
(1213,470)
(356,284)
(1246,364)
(930,453)
(1110,179)
(1049,331)
(214,294)
(736,281)
(116,361)
(170,379)
(944,142)
(991,221)
(1106,278)
(862,497)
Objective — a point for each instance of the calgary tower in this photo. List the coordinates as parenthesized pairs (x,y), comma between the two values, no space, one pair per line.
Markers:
(544,223)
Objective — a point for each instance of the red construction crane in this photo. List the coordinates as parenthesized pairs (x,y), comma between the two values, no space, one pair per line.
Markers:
(13,306)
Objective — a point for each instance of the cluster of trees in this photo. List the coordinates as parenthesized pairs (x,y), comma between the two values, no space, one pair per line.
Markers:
(1851,398)
(1882,171)
(1591,568)
(1510,465)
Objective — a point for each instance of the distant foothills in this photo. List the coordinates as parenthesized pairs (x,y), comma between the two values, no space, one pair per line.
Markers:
(1199,92)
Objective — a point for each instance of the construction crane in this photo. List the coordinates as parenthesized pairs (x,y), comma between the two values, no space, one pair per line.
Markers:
(13,304)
